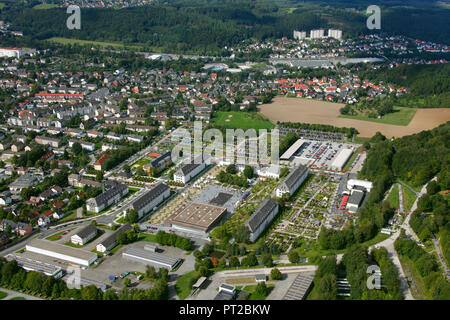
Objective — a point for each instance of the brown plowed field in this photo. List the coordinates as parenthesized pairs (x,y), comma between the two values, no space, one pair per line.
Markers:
(312,111)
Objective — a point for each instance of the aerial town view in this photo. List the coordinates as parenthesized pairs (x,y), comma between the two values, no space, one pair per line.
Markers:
(225,152)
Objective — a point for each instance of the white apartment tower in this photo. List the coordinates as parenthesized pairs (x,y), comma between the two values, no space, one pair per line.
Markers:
(299,35)
(317,34)
(335,33)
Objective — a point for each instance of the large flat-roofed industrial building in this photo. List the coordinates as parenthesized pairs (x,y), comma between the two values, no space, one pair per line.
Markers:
(293,181)
(38,266)
(292,150)
(262,217)
(341,159)
(63,252)
(197,218)
(352,183)
(151,258)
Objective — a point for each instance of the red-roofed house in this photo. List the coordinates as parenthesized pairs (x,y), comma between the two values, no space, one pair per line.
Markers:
(99,164)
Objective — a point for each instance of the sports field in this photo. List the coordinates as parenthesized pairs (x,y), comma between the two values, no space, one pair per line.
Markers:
(242,120)
(285,109)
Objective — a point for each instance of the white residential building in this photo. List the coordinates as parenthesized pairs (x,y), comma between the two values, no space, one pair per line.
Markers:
(293,181)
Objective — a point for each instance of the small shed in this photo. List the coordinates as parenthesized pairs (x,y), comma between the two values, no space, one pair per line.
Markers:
(199,283)
(151,247)
(260,277)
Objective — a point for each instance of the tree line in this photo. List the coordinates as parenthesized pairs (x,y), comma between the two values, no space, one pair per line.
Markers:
(14,277)
(171,239)
(436,284)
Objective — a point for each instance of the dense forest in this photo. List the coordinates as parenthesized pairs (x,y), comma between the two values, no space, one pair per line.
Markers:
(354,266)
(414,159)
(207,27)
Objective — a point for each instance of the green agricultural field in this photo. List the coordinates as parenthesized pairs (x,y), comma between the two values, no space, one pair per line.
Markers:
(45,6)
(393,198)
(147,237)
(242,120)
(401,117)
(115,45)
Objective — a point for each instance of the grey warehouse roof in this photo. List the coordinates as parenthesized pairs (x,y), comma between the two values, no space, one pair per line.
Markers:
(294,175)
(149,196)
(86,231)
(187,168)
(261,214)
(110,193)
(356,197)
(149,257)
(113,237)
(61,249)
(155,163)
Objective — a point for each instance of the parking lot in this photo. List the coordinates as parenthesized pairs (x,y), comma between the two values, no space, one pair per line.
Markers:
(320,154)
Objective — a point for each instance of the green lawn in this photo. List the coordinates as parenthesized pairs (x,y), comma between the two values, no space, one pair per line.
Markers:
(401,116)
(115,45)
(408,198)
(54,237)
(147,237)
(183,286)
(393,198)
(45,6)
(408,264)
(71,216)
(256,296)
(3,295)
(359,139)
(142,162)
(242,120)
(18,298)
(114,250)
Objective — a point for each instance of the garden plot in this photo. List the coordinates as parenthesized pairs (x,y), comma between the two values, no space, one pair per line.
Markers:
(308,209)
(263,189)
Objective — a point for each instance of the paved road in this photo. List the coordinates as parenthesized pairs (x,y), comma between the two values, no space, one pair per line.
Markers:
(389,245)
(15,294)
(441,258)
